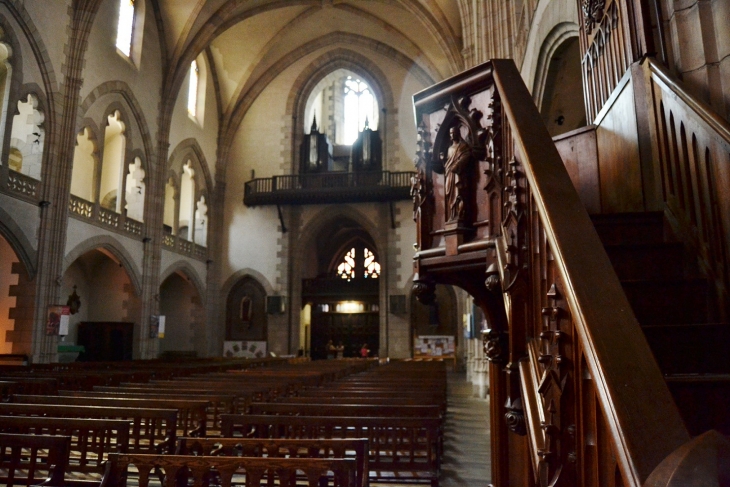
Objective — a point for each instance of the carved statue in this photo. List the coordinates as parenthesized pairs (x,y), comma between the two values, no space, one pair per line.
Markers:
(418,192)
(456,162)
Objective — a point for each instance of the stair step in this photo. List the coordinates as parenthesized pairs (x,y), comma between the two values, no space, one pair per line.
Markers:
(703,401)
(646,260)
(630,228)
(690,348)
(668,302)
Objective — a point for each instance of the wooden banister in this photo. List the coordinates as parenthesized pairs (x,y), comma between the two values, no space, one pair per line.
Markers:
(576,395)
(644,430)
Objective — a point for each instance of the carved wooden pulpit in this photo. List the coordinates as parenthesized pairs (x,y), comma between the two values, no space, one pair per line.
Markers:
(498,216)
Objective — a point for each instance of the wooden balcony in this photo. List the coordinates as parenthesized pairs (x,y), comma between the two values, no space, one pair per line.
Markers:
(325,188)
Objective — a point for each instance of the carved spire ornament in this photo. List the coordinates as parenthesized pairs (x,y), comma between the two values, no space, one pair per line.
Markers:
(592,13)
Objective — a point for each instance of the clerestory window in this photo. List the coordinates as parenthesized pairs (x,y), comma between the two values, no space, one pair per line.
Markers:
(359,108)
(193,89)
(125,27)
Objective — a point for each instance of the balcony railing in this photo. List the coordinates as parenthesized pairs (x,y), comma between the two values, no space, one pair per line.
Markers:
(93,213)
(338,288)
(182,246)
(334,187)
(22,184)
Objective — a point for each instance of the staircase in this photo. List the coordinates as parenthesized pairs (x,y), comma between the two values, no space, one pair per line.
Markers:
(674,306)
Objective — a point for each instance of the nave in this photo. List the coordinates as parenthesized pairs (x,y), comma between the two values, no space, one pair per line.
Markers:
(233,423)
(466,458)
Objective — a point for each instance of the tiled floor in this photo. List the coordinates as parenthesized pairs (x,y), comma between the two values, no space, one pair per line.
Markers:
(466,447)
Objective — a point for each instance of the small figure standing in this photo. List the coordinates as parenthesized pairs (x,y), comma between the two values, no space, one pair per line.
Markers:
(331,350)
(456,161)
(364,351)
(340,349)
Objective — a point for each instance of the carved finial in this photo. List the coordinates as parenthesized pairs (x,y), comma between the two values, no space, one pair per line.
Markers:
(367,124)
(314,124)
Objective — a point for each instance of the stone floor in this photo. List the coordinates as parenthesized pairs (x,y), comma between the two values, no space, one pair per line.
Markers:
(466,460)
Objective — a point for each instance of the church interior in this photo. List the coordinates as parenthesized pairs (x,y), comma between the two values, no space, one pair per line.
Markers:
(256,195)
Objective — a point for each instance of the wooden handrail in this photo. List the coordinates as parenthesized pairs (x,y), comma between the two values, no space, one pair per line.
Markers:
(701,109)
(645,431)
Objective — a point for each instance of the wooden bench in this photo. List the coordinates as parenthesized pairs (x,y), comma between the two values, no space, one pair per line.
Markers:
(92,440)
(184,470)
(354,410)
(219,403)
(356,449)
(191,414)
(150,431)
(33,460)
(401,449)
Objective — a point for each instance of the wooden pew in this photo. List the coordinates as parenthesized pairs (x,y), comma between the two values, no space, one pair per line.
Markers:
(354,410)
(356,449)
(92,440)
(191,414)
(401,449)
(219,403)
(151,430)
(224,471)
(33,460)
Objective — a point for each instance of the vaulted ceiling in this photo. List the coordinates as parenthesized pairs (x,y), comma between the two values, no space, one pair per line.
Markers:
(246,38)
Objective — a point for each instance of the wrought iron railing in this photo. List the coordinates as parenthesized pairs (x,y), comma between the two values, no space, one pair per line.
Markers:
(328,188)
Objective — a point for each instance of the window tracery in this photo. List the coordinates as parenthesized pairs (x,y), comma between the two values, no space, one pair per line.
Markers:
(359,108)
(359,263)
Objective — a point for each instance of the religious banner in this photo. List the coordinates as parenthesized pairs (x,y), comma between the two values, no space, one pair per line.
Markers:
(57,320)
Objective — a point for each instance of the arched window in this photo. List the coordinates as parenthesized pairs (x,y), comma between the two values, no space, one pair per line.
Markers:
(359,263)
(341,102)
(112,163)
(82,177)
(169,215)
(27,138)
(125,27)
(5,76)
(135,191)
(201,222)
(193,89)
(359,107)
(187,202)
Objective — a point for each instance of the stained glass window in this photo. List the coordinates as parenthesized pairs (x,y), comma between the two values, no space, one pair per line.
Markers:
(346,270)
(372,267)
(359,262)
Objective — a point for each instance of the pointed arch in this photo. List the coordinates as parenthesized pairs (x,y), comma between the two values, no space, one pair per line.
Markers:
(115,247)
(183,267)
(183,151)
(15,236)
(133,111)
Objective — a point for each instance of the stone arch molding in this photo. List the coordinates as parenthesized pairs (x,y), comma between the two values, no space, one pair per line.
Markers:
(135,112)
(326,216)
(184,267)
(17,239)
(552,42)
(114,246)
(237,276)
(190,149)
(549,15)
